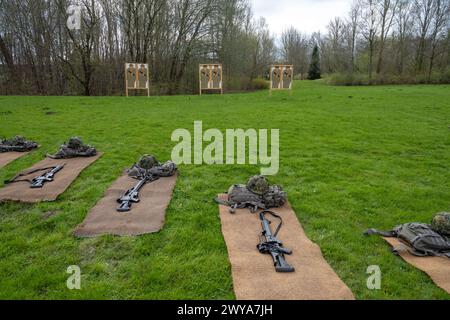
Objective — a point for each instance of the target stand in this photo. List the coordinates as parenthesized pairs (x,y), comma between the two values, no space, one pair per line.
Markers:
(137,77)
(281,77)
(210,77)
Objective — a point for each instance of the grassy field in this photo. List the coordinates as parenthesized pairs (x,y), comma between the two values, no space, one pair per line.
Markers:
(351,158)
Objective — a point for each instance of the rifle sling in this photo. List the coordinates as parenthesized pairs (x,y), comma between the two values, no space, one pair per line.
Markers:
(14,180)
(263,213)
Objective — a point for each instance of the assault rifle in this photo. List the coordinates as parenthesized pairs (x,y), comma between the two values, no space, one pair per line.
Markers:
(39,181)
(49,176)
(270,244)
(144,176)
(132,195)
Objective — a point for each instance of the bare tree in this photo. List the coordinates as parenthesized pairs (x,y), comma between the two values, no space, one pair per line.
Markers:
(423,13)
(439,26)
(295,49)
(336,35)
(353,23)
(386,10)
(370,24)
(404,26)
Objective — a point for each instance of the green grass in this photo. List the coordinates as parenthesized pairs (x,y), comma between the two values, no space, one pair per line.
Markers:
(351,158)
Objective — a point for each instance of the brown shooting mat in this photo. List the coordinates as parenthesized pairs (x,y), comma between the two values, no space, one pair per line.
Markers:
(8,157)
(438,268)
(21,191)
(147,216)
(254,276)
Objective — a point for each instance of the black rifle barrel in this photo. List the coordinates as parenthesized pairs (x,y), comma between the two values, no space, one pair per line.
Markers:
(270,244)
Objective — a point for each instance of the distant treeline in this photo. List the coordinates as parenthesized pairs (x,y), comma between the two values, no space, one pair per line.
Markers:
(380,41)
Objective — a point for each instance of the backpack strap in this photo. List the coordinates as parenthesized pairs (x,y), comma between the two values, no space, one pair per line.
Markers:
(253,206)
(273,214)
(222,202)
(387,234)
(406,247)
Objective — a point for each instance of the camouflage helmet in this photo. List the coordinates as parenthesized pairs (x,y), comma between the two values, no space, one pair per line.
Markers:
(275,197)
(75,143)
(441,223)
(147,162)
(258,185)
(18,140)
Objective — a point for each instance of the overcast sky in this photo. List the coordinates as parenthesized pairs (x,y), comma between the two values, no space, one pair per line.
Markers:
(306,15)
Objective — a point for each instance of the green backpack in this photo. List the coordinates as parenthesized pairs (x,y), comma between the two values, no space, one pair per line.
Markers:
(419,237)
(239,197)
(257,194)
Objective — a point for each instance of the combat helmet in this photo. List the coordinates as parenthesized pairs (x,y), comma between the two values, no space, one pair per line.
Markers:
(441,223)
(258,185)
(147,162)
(18,140)
(75,143)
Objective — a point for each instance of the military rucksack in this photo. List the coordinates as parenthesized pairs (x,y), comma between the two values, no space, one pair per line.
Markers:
(239,197)
(420,238)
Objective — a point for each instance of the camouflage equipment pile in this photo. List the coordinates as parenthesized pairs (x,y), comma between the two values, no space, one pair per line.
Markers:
(148,165)
(257,194)
(441,223)
(73,149)
(17,144)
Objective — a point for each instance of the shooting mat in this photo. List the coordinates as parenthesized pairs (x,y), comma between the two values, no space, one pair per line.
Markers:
(438,268)
(147,216)
(8,157)
(254,276)
(21,191)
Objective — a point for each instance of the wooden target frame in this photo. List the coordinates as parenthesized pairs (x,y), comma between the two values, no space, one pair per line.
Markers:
(277,83)
(207,81)
(134,73)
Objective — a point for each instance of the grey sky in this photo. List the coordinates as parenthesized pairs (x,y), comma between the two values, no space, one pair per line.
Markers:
(306,15)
